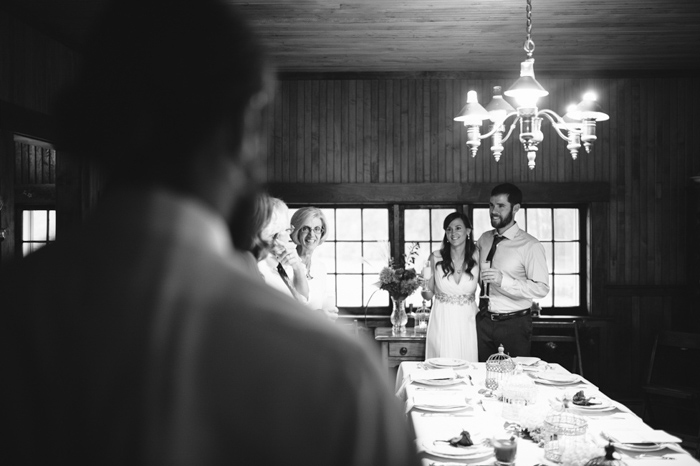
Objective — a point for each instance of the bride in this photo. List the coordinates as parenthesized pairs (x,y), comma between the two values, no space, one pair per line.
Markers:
(453,281)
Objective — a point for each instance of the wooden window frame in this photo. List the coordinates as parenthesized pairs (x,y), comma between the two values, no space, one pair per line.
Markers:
(594,195)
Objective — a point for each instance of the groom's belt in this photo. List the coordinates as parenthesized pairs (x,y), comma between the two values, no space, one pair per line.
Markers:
(497,316)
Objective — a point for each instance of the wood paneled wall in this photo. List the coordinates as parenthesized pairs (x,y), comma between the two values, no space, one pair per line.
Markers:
(354,130)
(34,67)
(386,130)
(402,131)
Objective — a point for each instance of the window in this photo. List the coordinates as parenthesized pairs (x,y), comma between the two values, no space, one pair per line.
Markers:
(423,226)
(38,229)
(355,250)
(361,238)
(559,229)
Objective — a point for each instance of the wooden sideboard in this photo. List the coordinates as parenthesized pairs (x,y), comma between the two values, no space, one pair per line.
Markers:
(567,340)
(409,346)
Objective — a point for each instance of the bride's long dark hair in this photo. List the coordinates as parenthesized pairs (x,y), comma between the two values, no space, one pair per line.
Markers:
(469,246)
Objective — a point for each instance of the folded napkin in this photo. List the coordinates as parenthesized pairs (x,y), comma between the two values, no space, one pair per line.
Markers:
(435,374)
(440,399)
(641,435)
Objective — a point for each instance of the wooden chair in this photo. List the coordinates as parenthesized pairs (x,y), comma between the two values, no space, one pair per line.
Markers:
(673,384)
(552,333)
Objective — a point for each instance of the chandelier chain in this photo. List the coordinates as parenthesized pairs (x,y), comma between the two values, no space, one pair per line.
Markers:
(529,45)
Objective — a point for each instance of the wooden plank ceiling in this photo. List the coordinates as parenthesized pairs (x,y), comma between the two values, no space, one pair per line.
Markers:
(411,36)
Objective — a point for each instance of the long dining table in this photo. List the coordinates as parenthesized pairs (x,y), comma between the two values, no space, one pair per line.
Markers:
(445,397)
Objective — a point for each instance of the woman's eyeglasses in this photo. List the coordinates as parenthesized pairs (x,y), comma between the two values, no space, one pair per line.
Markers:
(305,230)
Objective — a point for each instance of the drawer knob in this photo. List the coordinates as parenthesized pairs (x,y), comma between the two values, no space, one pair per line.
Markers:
(403,351)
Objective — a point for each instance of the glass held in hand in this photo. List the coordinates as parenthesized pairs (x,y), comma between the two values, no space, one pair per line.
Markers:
(486,265)
(427,272)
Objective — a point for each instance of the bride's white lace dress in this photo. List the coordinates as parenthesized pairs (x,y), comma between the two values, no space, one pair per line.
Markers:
(452,325)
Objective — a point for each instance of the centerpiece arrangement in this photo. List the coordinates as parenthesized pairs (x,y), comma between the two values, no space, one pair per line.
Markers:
(400,279)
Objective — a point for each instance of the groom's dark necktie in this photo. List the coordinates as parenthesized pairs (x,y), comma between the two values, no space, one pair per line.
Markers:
(484,303)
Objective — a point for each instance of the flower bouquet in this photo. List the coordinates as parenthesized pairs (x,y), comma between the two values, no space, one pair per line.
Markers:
(401,281)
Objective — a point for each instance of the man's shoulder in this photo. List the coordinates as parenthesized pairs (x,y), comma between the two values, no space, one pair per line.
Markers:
(526,237)
(485,236)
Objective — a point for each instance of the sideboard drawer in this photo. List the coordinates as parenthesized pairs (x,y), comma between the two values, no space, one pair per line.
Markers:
(406,349)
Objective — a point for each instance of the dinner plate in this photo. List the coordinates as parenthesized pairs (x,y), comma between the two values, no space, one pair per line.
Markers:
(446,362)
(526,360)
(639,446)
(441,409)
(445,450)
(557,377)
(603,406)
(437,382)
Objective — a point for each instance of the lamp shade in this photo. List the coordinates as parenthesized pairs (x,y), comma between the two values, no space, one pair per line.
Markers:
(588,109)
(526,90)
(472,113)
(498,108)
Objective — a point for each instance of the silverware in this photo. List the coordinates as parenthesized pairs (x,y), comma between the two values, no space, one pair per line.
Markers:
(481,403)
(644,456)
(470,380)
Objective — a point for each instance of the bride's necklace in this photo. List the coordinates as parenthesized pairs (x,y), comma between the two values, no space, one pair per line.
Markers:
(458,270)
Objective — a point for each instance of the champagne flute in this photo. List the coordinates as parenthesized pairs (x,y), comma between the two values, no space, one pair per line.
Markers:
(427,274)
(485,265)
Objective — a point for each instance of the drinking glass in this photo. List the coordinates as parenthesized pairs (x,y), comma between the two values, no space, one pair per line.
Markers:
(426,273)
(505,446)
(485,265)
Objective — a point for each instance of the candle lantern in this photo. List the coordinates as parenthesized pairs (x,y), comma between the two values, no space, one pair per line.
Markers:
(518,391)
(562,431)
(498,367)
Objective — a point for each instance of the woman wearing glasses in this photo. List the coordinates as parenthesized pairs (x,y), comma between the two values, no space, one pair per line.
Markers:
(310,230)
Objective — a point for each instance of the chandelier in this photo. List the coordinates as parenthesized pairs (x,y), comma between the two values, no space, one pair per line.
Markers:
(576,127)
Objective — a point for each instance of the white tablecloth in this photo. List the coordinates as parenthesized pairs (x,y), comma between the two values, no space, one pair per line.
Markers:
(482,416)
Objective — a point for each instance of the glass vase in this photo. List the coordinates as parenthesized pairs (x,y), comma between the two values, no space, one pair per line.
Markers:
(399,319)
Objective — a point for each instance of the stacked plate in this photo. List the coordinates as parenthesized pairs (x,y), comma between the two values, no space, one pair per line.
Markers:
(530,363)
(443,401)
(436,377)
(640,447)
(447,363)
(556,378)
(445,450)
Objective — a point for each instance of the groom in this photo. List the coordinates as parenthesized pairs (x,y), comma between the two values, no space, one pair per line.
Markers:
(517,274)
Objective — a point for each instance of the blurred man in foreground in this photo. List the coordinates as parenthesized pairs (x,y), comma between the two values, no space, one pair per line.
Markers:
(142,338)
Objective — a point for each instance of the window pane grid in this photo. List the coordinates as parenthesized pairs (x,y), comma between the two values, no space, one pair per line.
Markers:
(423,226)
(558,230)
(358,240)
(358,246)
(38,229)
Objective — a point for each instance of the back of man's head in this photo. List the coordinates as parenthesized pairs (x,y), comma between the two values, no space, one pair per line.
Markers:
(515,196)
(159,77)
